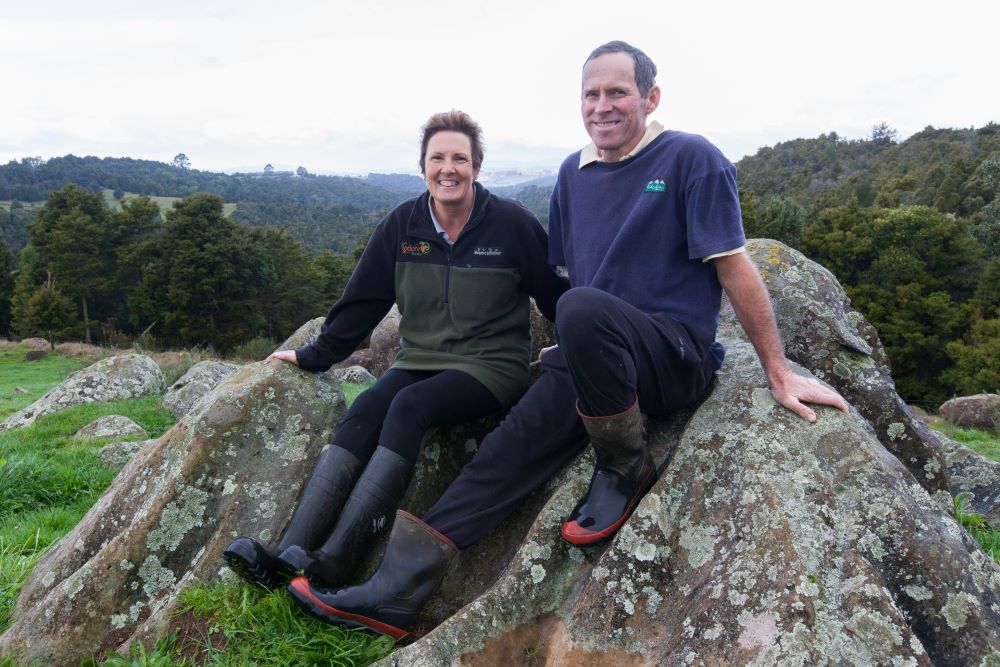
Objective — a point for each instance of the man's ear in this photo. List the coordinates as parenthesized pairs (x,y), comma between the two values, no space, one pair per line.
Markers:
(653,100)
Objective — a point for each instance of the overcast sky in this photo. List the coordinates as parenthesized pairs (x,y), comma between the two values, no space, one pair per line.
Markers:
(343,87)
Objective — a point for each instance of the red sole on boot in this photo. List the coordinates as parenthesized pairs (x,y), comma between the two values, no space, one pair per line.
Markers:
(576,534)
(302,593)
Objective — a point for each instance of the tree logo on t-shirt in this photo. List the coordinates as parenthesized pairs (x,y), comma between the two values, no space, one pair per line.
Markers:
(656,186)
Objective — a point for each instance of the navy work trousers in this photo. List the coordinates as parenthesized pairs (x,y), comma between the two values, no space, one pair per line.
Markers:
(609,353)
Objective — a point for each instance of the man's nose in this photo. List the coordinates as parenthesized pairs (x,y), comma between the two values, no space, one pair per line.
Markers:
(603,104)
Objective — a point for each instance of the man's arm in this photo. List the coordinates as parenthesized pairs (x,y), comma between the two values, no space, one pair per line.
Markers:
(752,304)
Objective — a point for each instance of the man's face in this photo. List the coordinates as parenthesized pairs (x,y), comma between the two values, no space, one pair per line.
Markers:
(614,113)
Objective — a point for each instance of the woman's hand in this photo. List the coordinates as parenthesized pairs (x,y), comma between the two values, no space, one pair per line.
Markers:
(285,355)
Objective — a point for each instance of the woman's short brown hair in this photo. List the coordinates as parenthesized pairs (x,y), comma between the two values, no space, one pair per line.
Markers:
(453,121)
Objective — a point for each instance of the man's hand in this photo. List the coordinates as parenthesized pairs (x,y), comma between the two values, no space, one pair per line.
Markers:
(790,390)
(746,291)
(285,355)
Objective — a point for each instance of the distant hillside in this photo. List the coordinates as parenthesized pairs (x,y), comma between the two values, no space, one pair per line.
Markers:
(324,212)
(935,167)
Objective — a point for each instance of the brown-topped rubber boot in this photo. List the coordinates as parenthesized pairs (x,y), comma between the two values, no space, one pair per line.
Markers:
(411,570)
(622,476)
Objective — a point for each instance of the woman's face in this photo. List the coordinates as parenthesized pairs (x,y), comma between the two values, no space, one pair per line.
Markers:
(448,167)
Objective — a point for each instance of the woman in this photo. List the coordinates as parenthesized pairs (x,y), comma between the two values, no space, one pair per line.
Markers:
(460,264)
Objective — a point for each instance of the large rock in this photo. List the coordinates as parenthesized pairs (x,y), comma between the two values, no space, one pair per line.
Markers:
(232,466)
(766,540)
(975,477)
(384,343)
(122,377)
(353,374)
(981,411)
(198,381)
(111,426)
(823,333)
(116,454)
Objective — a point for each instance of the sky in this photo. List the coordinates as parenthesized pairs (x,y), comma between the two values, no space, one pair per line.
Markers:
(344,87)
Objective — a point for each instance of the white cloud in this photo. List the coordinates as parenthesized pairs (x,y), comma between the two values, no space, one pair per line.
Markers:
(346,86)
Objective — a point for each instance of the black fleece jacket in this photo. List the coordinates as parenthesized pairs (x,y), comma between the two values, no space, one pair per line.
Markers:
(462,307)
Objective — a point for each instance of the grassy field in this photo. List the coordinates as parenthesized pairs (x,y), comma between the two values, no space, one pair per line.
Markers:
(165,203)
(22,383)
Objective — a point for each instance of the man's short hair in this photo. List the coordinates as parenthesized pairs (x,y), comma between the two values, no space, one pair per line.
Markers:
(453,121)
(645,69)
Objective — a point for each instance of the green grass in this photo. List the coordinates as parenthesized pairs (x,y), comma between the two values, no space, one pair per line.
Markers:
(165,203)
(48,481)
(266,628)
(34,376)
(987,444)
(352,391)
(983,442)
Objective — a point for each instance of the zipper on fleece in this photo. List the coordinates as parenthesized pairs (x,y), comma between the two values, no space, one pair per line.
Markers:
(447,274)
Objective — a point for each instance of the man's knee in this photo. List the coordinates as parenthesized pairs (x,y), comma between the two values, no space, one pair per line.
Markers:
(579,308)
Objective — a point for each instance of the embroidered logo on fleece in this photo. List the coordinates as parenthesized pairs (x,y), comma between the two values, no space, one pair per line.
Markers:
(488,252)
(418,248)
(656,186)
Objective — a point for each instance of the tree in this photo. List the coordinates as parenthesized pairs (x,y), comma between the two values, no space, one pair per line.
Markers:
(977,360)
(333,270)
(780,218)
(301,172)
(49,312)
(6,287)
(268,168)
(181,161)
(202,281)
(884,134)
(290,290)
(74,239)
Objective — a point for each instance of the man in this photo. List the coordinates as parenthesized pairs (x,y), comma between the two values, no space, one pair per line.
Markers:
(647,222)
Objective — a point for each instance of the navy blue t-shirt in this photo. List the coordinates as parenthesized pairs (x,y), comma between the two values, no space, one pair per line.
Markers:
(638,229)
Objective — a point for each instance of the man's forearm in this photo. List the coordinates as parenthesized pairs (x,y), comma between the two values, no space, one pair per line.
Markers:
(753,309)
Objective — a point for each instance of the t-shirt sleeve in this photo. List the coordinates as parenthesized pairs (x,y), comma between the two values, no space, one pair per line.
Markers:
(714,222)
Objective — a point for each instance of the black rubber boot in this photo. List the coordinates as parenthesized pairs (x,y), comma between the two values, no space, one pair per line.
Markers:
(364,518)
(411,570)
(317,511)
(622,475)
(255,563)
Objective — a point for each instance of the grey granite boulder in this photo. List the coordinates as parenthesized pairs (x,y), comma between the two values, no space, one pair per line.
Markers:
(111,426)
(823,333)
(980,411)
(125,376)
(765,541)
(198,381)
(353,374)
(116,454)
(384,343)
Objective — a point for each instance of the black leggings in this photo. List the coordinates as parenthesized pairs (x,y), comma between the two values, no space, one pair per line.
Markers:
(397,410)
